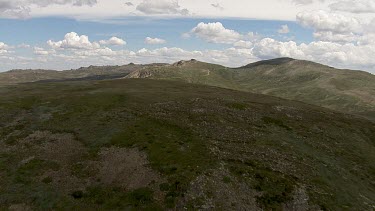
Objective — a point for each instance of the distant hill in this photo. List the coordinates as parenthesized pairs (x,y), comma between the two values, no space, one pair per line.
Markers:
(137,144)
(342,90)
(98,72)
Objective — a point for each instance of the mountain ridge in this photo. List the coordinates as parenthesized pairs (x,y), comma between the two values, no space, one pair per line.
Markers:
(339,89)
(344,90)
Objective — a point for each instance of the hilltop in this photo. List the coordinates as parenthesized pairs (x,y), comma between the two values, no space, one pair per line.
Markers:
(343,90)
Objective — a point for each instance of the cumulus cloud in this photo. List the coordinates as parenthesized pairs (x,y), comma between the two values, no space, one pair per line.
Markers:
(113,41)
(354,6)
(3,48)
(326,21)
(243,44)
(154,41)
(73,41)
(161,7)
(334,27)
(284,29)
(216,33)
(339,55)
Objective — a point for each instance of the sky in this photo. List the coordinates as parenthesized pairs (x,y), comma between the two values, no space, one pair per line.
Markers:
(68,34)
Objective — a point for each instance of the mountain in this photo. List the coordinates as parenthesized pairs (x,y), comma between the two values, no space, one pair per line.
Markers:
(137,144)
(85,73)
(343,90)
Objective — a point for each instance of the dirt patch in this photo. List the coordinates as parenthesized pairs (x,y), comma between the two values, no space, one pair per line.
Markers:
(19,207)
(127,168)
(300,201)
(218,190)
(62,148)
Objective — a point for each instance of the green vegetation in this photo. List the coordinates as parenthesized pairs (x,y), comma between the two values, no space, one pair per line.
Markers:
(342,90)
(226,179)
(135,144)
(276,188)
(33,168)
(309,82)
(114,198)
(172,150)
(277,122)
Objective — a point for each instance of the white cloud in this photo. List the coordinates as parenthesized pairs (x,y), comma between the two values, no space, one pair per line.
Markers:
(325,21)
(335,54)
(243,44)
(303,2)
(22,8)
(43,52)
(161,7)
(185,35)
(368,39)
(154,41)
(97,52)
(332,37)
(23,45)
(44,3)
(103,10)
(216,33)
(307,2)
(3,48)
(270,48)
(284,29)
(113,41)
(335,27)
(354,6)
(73,41)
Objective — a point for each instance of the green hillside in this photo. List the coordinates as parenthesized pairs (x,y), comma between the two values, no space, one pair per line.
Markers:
(135,144)
(343,90)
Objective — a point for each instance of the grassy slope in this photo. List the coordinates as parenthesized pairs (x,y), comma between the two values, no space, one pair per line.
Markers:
(205,142)
(343,90)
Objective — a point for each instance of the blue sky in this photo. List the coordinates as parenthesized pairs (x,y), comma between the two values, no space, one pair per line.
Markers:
(134,30)
(65,34)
